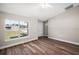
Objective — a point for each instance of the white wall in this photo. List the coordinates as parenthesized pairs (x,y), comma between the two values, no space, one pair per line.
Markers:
(65,26)
(33,35)
(40,28)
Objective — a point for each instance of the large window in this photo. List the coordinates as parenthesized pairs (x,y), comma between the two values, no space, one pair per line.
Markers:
(15,29)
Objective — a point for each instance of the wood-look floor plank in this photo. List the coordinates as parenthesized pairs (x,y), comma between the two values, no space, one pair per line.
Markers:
(42,46)
(45,47)
(53,48)
(65,47)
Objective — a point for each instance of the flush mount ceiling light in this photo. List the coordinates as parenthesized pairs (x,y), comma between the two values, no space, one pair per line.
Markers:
(45,5)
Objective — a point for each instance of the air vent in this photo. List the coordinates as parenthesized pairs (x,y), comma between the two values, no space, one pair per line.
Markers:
(70,6)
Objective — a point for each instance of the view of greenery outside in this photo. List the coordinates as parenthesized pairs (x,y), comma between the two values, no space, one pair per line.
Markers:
(15,29)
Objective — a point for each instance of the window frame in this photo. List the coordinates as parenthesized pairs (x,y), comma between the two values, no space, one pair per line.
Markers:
(18,38)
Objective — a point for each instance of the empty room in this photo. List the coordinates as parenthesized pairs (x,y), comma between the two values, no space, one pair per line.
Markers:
(39,28)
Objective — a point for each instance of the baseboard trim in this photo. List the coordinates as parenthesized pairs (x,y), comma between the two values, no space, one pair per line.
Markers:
(75,43)
(7,46)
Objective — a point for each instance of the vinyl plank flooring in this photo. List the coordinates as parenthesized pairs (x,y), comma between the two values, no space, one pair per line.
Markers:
(42,46)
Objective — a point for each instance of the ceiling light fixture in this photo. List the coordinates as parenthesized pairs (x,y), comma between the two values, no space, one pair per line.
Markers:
(45,5)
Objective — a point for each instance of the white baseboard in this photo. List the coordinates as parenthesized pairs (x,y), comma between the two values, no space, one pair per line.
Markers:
(75,43)
(6,46)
